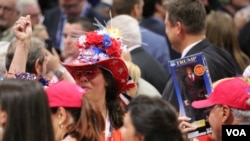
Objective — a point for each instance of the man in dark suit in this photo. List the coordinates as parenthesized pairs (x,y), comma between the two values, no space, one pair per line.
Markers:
(154,44)
(185,23)
(56,17)
(153,19)
(244,39)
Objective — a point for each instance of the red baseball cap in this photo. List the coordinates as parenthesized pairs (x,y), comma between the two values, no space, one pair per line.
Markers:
(233,92)
(65,94)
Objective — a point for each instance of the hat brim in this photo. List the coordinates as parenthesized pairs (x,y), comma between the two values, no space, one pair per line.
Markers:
(115,66)
(202,104)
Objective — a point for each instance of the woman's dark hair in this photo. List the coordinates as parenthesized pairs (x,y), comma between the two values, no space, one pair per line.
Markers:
(28,115)
(88,122)
(154,118)
(115,110)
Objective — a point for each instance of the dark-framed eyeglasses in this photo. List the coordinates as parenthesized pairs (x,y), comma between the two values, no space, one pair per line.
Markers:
(7,9)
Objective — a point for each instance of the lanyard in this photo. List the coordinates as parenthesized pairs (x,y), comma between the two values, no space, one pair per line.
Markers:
(108,129)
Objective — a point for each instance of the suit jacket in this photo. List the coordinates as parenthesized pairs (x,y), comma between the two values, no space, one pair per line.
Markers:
(154,24)
(158,26)
(151,70)
(244,39)
(220,65)
(52,18)
(156,46)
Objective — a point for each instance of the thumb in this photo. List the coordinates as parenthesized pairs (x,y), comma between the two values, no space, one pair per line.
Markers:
(28,17)
(28,20)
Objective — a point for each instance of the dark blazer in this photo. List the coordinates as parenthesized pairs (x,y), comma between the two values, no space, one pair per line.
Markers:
(154,24)
(220,65)
(244,39)
(151,70)
(52,18)
(158,26)
(156,46)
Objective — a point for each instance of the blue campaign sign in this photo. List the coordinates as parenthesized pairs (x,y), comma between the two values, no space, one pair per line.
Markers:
(192,82)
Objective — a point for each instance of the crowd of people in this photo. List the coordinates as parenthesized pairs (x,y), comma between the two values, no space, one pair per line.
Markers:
(97,70)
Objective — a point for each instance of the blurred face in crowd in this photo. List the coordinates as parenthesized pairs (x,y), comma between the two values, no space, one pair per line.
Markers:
(61,119)
(8,13)
(128,131)
(172,33)
(35,13)
(137,10)
(72,8)
(71,32)
(140,10)
(204,2)
(239,3)
(161,8)
(217,117)
(92,80)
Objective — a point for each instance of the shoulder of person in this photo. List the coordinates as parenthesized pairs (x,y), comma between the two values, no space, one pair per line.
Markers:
(146,88)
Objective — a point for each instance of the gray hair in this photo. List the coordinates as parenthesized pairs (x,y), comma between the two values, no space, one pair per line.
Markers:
(21,4)
(241,114)
(129,27)
(35,52)
(3,52)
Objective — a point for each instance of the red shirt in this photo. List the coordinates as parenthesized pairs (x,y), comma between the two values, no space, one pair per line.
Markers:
(116,136)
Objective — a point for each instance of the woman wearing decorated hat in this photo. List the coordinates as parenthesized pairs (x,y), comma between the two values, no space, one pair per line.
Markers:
(100,70)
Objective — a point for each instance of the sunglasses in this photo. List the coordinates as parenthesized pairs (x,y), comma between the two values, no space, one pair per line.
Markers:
(89,73)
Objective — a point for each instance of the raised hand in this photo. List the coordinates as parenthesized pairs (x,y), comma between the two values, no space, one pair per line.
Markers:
(23,33)
(23,28)
(185,126)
